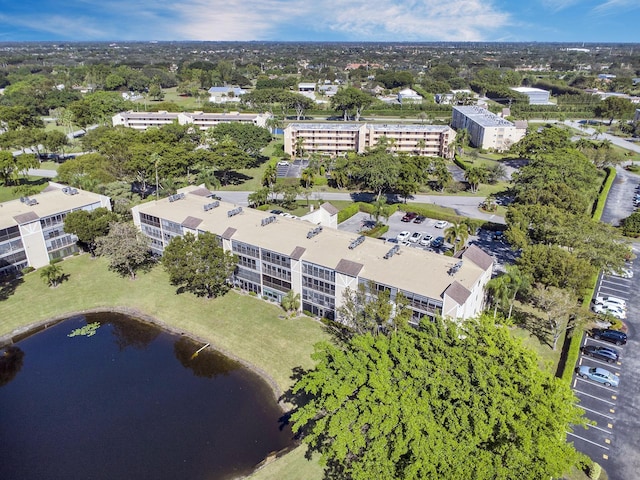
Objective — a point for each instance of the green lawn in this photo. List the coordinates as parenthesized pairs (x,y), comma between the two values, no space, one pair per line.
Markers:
(10,193)
(293,466)
(248,328)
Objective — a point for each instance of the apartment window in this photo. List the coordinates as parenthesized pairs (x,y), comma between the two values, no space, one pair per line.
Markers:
(149,220)
(245,249)
(276,258)
(317,271)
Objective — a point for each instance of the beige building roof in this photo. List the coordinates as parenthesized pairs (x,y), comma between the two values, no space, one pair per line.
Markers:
(410,269)
(50,202)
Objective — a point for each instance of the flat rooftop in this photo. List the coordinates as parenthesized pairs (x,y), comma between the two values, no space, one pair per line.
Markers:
(50,202)
(483,117)
(411,269)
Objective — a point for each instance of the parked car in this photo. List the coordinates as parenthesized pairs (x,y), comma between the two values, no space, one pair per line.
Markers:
(403,236)
(607,354)
(623,272)
(613,310)
(441,224)
(608,300)
(425,241)
(437,242)
(415,237)
(606,334)
(276,212)
(598,374)
(409,216)
(419,219)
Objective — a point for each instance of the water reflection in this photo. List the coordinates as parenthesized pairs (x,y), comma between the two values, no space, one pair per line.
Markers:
(10,364)
(91,407)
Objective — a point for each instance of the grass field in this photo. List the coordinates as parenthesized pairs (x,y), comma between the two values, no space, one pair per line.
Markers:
(248,328)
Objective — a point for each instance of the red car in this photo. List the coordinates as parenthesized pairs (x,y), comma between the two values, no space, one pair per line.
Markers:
(409,216)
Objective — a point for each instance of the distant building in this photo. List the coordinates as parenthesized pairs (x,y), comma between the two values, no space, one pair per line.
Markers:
(636,117)
(225,94)
(408,95)
(335,139)
(277,255)
(32,228)
(537,96)
(144,120)
(486,129)
(306,87)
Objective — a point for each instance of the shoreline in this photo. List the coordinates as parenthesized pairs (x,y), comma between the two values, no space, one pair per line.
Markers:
(30,329)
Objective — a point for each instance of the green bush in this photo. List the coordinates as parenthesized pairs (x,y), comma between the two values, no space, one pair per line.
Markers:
(55,260)
(604,192)
(631,225)
(460,163)
(377,231)
(26,270)
(347,213)
(595,470)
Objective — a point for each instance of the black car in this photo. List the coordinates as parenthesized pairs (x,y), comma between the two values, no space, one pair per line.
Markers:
(419,219)
(608,335)
(601,353)
(276,212)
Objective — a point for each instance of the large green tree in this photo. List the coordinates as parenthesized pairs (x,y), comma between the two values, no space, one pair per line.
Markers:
(89,225)
(441,401)
(351,100)
(199,264)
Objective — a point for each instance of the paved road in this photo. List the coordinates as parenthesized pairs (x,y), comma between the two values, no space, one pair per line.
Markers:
(465,206)
(620,142)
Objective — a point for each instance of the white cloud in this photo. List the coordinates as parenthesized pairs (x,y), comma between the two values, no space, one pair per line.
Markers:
(557,5)
(412,20)
(463,20)
(615,6)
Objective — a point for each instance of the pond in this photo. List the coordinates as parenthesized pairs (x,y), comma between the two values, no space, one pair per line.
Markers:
(124,399)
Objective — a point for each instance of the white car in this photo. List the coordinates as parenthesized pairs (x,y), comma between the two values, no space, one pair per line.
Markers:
(624,273)
(610,301)
(403,236)
(415,237)
(426,240)
(610,310)
(441,224)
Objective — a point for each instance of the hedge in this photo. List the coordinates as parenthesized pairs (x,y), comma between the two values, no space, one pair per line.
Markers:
(356,207)
(460,163)
(604,193)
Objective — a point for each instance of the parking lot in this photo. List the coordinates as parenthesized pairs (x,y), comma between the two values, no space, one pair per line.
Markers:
(492,243)
(607,406)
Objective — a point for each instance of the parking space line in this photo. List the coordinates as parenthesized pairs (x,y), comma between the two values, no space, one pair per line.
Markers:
(586,440)
(601,362)
(597,398)
(605,430)
(615,290)
(596,412)
(595,384)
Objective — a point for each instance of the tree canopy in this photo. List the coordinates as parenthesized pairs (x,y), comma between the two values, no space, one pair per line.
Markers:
(199,264)
(441,401)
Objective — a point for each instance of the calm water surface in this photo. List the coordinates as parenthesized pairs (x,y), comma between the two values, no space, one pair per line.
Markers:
(130,403)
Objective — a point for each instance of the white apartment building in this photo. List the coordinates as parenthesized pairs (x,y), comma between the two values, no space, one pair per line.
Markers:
(32,228)
(336,139)
(202,120)
(278,254)
(486,129)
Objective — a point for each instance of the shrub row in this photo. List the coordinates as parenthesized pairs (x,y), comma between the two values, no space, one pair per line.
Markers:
(604,192)
(460,163)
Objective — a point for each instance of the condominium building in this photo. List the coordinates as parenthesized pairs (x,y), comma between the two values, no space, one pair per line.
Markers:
(202,120)
(336,139)
(486,129)
(32,228)
(277,254)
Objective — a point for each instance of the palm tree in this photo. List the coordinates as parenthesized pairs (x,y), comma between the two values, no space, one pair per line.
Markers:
(499,290)
(52,274)
(518,282)
(291,302)
(270,175)
(457,235)
(299,147)
(474,176)
(307,177)
(379,208)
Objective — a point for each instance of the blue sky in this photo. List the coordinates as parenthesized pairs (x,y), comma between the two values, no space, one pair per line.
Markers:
(325,20)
